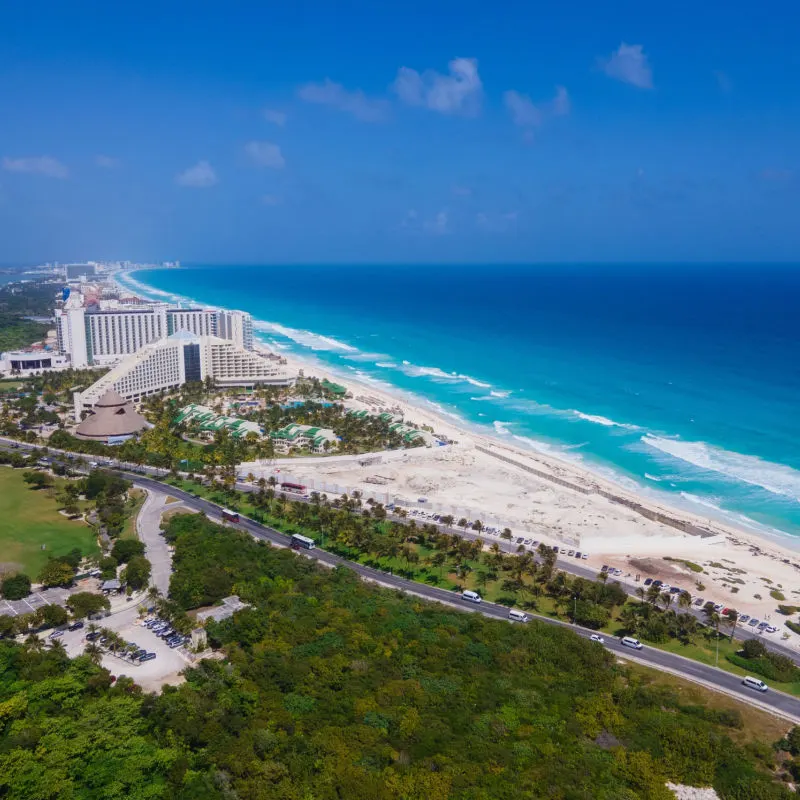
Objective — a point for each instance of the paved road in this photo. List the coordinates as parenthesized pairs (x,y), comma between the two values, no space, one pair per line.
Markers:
(782,704)
(148,527)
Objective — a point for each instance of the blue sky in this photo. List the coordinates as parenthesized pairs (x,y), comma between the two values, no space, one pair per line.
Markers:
(436,131)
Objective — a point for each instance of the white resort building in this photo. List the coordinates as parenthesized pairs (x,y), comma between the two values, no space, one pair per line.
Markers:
(106,331)
(303,437)
(208,421)
(31,362)
(181,357)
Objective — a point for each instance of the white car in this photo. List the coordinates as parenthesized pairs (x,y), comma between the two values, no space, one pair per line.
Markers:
(596,637)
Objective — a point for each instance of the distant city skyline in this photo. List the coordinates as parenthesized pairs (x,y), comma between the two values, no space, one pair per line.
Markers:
(428,133)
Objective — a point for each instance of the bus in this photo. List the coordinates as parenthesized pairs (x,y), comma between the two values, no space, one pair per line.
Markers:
(295,488)
(230,516)
(302,542)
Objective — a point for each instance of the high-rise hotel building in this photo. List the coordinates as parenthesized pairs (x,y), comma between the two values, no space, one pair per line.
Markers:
(103,335)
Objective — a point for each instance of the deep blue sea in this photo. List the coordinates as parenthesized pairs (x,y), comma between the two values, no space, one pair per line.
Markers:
(681,381)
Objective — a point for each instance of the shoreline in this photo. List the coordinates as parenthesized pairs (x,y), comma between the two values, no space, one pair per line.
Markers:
(530,489)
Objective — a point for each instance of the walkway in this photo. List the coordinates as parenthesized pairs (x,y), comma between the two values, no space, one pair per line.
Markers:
(156,550)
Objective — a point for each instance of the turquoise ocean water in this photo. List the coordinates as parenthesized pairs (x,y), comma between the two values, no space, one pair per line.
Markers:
(681,382)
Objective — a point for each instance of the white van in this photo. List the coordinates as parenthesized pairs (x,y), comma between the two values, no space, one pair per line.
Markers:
(629,641)
(473,597)
(518,616)
(755,683)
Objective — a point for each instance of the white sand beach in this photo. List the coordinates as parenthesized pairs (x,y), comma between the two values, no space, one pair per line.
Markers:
(540,496)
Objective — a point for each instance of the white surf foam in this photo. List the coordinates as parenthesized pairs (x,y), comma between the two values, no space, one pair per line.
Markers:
(502,427)
(605,421)
(314,341)
(437,374)
(701,501)
(775,478)
(652,477)
(386,364)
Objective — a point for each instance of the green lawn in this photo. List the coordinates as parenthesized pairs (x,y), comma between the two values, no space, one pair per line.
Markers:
(29,519)
(134,507)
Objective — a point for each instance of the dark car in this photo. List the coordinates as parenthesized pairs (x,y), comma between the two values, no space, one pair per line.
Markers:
(77,625)
(147,657)
(604,568)
(91,637)
(648,581)
(139,654)
(658,584)
(699,601)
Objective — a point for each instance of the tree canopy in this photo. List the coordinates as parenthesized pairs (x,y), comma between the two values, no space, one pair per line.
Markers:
(333,688)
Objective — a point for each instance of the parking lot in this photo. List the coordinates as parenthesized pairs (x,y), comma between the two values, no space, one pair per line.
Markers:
(14,608)
(165,668)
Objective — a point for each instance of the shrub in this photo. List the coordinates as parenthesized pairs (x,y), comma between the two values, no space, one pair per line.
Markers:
(15,587)
(690,564)
(777,595)
(788,610)
(124,549)
(83,604)
(137,573)
(771,666)
(753,648)
(793,626)
(56,573)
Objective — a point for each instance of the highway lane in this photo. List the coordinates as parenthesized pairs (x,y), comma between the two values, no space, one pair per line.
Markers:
(563,562)
(784,705)
(777,702)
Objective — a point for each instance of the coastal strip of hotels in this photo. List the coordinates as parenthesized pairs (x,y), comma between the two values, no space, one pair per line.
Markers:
(150,347)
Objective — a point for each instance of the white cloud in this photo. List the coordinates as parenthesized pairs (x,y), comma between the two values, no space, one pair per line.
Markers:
(272,200)
(328,93)
(523,112)
(200,176)
(629,64)
(439,224)
(457,93)
(274,116)
(106,162)
(37,165)
(526,114)
(265,154)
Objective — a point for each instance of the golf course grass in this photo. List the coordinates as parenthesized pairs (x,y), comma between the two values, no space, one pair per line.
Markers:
(29,519)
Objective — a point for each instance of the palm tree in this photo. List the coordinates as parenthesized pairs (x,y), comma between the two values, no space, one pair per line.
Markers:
(57,646)
(732,617)
(629,618)
(666,600)
(684,600)
(94,651)
(653,593)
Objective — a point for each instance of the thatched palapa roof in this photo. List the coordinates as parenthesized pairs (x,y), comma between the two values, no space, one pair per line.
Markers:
(111,416)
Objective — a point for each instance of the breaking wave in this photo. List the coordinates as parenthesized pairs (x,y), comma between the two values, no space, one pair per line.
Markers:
(775,478)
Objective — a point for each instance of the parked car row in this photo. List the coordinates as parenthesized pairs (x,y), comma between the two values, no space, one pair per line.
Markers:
(131,650)
(164,630)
